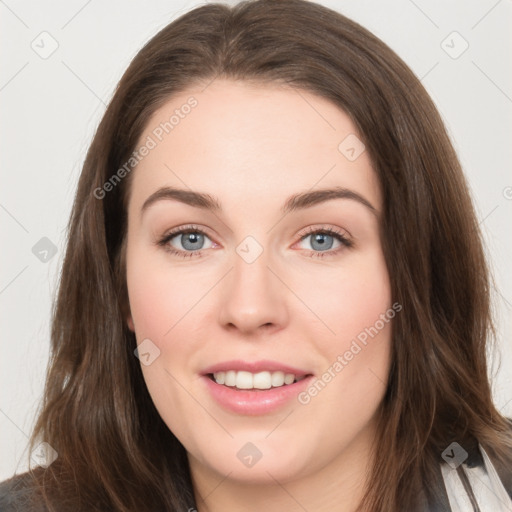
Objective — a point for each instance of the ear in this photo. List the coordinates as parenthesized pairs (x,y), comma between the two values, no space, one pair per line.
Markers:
(129,321)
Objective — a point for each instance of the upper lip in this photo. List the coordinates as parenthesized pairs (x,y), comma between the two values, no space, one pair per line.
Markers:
(254,367)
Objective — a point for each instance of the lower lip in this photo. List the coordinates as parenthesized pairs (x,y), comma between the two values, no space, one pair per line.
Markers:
(255,402)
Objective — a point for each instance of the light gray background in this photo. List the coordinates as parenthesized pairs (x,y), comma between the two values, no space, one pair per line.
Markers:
(50,108)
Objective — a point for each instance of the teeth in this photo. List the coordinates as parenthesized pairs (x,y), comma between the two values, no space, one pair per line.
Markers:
(277,379)
(244,380)
(289,378)
(262,380)
(248,380)
(230,378)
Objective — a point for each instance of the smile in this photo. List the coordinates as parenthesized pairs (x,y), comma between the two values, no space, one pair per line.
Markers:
(254,387)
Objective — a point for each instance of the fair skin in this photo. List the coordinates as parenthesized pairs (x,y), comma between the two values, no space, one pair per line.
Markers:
(252,147)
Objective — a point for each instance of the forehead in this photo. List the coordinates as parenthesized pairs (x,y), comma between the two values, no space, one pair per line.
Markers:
(243,142)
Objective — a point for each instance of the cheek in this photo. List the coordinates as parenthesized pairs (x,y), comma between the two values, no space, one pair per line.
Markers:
(159,302)
(354,337)
(356,357)
(158,297)
(348,301)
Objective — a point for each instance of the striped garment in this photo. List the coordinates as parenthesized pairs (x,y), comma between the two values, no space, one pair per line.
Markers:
(476,487)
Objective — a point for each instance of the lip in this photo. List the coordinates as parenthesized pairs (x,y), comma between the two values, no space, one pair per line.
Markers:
(254,402)
(254,367)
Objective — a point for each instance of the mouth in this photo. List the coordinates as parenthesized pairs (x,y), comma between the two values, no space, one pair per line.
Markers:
(254,388)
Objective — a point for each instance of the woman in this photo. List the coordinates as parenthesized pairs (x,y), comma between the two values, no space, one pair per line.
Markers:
(247,316)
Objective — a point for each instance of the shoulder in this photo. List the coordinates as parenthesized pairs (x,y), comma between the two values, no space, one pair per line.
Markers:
(19,494)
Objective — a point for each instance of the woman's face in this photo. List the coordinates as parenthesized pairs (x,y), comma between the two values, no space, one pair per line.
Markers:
(264,328)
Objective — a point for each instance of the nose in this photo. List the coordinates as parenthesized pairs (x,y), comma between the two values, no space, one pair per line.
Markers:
(254,297)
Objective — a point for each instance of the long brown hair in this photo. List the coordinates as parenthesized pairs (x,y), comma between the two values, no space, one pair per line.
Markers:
(114,450)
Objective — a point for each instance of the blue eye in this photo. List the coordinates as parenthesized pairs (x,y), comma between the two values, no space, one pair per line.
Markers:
(322,241)
(192,239)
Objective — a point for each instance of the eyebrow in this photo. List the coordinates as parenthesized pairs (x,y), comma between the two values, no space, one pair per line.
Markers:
(296,202)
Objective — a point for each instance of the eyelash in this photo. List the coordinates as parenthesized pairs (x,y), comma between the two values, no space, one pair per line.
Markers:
(164,241)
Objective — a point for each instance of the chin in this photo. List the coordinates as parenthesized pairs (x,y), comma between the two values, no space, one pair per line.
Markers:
(260,461)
